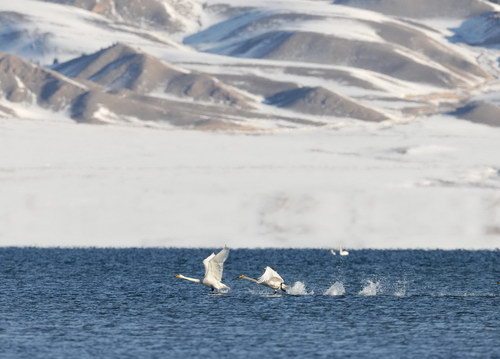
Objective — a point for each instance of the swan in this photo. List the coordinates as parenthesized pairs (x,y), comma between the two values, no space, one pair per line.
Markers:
(213,271)
(343,252)
(270,279)
(333,252)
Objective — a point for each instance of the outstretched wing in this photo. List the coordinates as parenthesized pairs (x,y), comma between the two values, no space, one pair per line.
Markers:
(206,263)
(214,264)
(270,275)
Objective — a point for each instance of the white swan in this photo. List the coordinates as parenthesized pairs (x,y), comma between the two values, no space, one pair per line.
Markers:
(213,271)
(270,279)
(333,252)
(343,252)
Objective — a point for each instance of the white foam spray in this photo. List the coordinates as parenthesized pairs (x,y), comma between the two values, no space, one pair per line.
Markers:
(400,288)
(371,288)
(261,291)
(336,288)
(298,288)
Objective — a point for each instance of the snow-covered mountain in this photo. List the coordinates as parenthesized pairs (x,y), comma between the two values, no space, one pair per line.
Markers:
(363,123)
(423,8)
(110,94)
(481,30)
(122,67)
(301,62)
(168,15)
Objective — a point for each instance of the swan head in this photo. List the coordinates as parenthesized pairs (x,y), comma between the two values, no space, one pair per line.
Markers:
(241,276)
(178,276)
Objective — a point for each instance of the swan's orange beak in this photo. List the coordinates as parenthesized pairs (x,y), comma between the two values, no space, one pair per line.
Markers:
(177,276)
(240,276)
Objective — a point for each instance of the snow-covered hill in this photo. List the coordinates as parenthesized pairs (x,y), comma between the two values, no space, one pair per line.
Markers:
(482,30)
(367,61)
(423,8)
(367,123)
(168,15)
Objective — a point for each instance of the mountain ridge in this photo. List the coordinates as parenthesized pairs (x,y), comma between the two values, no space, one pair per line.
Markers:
(268,65)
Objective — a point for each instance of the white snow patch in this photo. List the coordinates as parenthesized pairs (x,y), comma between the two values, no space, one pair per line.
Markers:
(69,31)
(20,84)
(69,184)
(339,27)
(31,111)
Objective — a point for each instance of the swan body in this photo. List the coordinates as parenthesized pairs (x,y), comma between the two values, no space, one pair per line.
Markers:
(343,252)
(270,278)
(214,265)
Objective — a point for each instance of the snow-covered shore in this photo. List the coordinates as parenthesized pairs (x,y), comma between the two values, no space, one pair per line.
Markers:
(428,184)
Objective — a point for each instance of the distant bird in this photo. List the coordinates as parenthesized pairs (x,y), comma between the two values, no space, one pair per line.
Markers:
(270,279)
(343,252)
(333,252)
(213,271)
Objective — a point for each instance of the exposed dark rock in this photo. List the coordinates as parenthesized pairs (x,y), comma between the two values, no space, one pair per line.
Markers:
(21,81)
(122,67)
(322,102)
(327,49)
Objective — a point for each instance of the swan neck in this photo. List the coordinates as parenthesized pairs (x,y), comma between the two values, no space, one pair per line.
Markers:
(188,278)
(250,279)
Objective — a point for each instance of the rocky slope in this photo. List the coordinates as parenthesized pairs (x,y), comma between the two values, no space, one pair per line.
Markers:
(168,15)
(263,65)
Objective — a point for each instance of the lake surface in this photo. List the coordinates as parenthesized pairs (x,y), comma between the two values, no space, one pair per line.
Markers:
(126,303)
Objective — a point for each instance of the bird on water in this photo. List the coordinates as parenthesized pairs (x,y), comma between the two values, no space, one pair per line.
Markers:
(214,265)
(270,278)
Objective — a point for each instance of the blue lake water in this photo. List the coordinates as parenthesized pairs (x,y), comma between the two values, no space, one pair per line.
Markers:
(126,303)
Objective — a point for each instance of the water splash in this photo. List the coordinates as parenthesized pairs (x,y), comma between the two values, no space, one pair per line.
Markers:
(444,295)
(371,288)
(400,288)
(298,288)
(258,291)
(337,288)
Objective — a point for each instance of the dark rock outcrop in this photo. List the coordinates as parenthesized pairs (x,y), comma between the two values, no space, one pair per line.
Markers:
(322,102)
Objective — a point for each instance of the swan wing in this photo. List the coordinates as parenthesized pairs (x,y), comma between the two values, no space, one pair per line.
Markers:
(214,264)
(206,263)
(270,275)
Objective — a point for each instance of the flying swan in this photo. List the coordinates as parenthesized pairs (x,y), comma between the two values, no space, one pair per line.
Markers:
(270,279)
(213,271)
